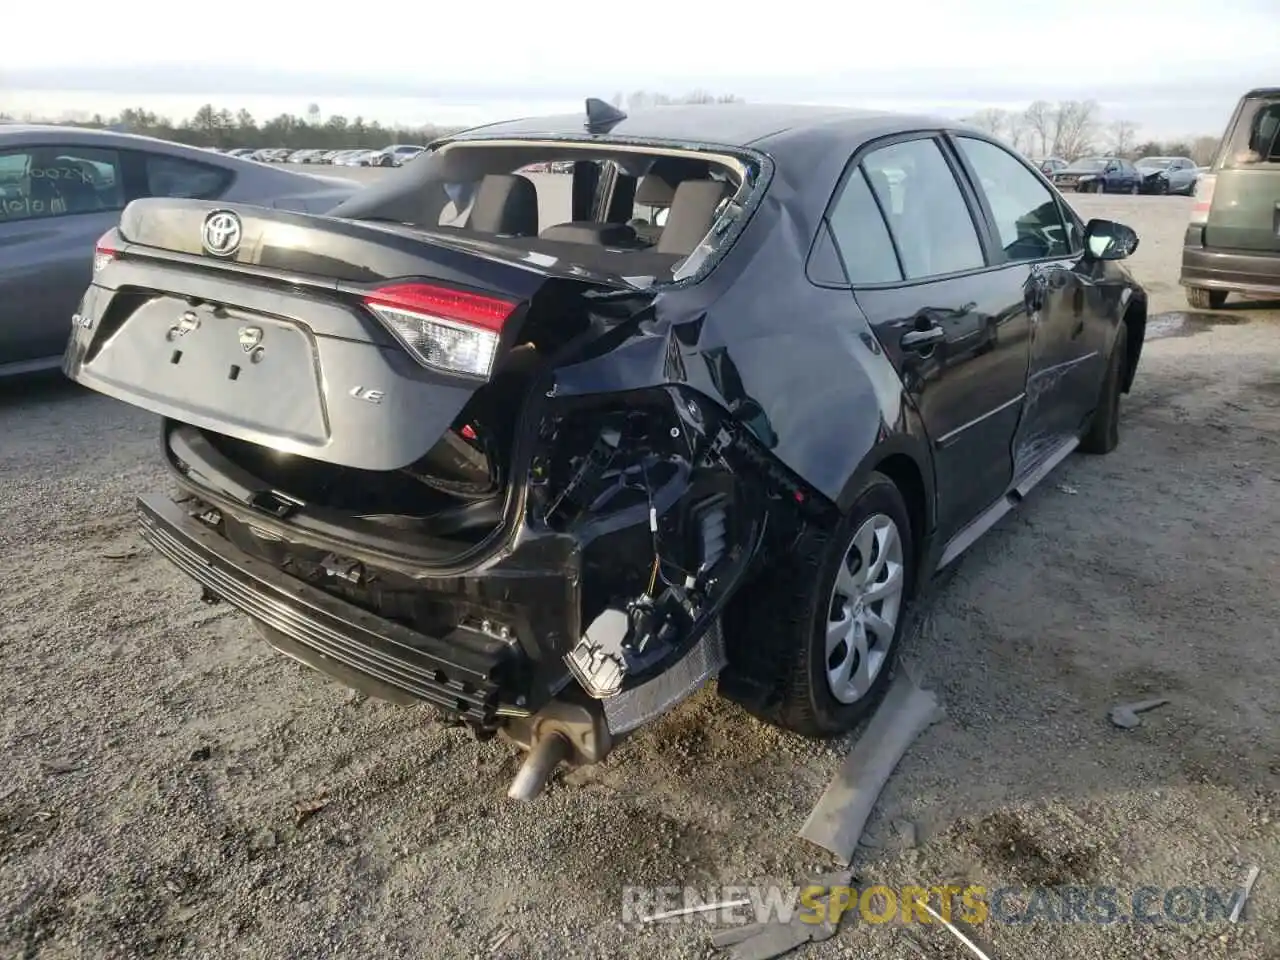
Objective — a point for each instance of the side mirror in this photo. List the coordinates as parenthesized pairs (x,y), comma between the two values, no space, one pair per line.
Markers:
(1108,240)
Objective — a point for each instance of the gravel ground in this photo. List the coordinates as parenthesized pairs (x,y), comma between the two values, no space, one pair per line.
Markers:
(156,753)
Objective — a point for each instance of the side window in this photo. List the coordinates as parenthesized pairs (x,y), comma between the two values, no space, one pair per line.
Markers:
(38,182)
(927,213)
(1026,213)
(861,235)
(174,177)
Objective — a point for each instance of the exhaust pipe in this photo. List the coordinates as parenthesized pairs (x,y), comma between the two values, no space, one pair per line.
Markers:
(539,764)
(561,731)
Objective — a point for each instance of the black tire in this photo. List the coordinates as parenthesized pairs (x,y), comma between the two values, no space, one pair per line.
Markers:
(1103,434)
(776,627)
(1203,299)
(1100,186)
(1135,189)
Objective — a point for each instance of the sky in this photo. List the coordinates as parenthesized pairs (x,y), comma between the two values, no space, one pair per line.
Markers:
(1175,67)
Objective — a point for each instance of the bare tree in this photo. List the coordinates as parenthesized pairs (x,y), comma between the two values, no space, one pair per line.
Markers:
(990,120)
(1203,150)
(640,99)
(1019,133)
(1039,121)
(1122,137)
(1075,125)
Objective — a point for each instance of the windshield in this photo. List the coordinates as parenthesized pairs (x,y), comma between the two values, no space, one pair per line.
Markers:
(1093,163)
(670,212)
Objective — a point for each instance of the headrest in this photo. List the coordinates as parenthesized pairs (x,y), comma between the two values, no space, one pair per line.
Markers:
(693,211)
(506,203)
(653,191)
(596,234)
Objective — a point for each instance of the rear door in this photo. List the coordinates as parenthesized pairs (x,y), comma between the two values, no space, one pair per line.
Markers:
(953,325)
(1245,214)
(55,202)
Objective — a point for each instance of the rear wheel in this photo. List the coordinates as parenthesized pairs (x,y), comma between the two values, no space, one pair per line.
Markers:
(1203,299)
(821,632)
(1134,189)
(1103,434)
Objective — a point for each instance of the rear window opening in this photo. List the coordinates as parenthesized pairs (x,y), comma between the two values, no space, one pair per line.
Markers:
(633,212)
(1256,135)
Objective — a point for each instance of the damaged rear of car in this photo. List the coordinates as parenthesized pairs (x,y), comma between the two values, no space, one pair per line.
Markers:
(444,450)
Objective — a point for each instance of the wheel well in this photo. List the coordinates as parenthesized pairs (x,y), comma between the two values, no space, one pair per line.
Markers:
(1135,325)
(904,473)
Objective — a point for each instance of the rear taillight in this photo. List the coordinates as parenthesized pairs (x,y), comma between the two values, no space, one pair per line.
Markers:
(104,252)
(1202,199)
(445,329)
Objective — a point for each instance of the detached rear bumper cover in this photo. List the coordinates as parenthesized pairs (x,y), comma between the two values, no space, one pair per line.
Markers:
(460,675)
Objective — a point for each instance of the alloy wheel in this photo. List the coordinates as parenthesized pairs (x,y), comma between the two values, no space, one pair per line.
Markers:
(866,601)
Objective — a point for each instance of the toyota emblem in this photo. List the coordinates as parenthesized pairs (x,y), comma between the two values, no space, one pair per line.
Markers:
(221,234)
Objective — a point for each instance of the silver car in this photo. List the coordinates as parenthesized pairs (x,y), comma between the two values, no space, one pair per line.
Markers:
(1168,174)
(61,188)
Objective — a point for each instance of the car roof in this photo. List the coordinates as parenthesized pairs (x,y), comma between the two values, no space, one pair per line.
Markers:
(746,125)
(1261,92)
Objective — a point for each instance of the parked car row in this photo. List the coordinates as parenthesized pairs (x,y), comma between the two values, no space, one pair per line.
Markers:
(1158,175)
(395,155)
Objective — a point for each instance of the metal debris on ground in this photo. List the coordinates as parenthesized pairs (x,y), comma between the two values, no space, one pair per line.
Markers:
(120,553)
(1244,893)
(837,822)
(764,941)
(500,938)
(1068,489)
(1125,715)
(955,931)
(698,908)
(304,810)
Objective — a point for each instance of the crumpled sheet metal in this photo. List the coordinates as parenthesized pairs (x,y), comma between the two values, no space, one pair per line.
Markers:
(837,821)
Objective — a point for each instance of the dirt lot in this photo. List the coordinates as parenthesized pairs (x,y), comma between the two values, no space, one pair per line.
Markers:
(154,749)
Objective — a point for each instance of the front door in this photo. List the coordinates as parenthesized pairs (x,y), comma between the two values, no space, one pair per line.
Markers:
(1063,292)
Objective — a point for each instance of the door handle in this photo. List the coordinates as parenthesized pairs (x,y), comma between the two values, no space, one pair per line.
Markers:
(923,339)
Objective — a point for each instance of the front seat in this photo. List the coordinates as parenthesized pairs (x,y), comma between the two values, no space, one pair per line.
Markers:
(693,211)
(507,204)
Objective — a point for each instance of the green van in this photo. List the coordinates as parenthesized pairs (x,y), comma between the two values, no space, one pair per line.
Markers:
(1233,236)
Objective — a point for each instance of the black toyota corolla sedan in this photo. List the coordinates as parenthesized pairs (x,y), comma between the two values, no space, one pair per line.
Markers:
(549,450)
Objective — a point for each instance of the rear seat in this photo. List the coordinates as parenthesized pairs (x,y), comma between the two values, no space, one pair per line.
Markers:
(693,211)
(651,191)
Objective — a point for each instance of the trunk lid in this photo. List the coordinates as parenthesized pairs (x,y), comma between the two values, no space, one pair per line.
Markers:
(344,341)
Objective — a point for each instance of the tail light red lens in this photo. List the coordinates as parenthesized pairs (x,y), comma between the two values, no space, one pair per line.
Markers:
(104,252)
(1203,199)
(445,329)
